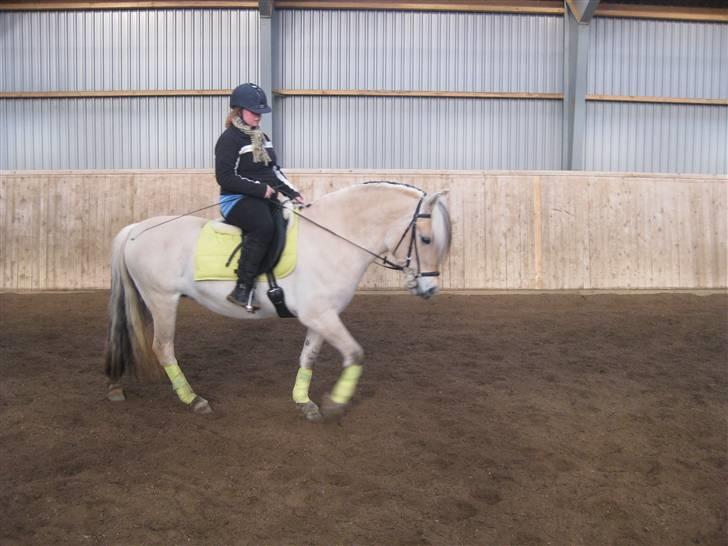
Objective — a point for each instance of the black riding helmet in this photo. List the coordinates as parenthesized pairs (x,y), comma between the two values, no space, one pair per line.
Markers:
(251,97)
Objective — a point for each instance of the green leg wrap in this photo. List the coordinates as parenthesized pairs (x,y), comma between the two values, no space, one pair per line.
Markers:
(179,383)
(300,389)
(346,385)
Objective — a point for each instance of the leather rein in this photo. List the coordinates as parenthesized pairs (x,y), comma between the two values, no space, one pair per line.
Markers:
(411,274)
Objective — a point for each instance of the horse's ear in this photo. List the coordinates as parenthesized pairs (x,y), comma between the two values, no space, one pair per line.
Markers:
(430,200)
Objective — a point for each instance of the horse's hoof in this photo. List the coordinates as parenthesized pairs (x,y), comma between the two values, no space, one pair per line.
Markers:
(331,409)
(116,393)
(200,406)
(310,411)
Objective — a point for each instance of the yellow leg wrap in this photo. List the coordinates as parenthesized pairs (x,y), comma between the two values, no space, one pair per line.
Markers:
(300,389)
(346,385)
(179,383)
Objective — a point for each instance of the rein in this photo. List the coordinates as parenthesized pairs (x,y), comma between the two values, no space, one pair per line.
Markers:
(172,220)
(386,263)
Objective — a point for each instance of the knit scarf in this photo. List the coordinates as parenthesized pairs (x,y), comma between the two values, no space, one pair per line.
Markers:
(257,139)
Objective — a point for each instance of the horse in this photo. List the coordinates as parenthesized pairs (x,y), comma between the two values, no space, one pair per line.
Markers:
(339,236)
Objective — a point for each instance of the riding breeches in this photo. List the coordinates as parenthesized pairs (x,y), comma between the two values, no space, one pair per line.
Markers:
(254,217)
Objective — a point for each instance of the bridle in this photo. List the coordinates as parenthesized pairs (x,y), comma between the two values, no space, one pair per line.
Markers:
(411,275)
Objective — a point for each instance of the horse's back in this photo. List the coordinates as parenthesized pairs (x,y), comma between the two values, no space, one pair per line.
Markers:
(162,224)
(159,250)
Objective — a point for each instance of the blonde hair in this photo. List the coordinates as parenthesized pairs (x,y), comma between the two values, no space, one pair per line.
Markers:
(231,114)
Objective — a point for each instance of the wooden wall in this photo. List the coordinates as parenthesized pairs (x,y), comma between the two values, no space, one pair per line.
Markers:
(512,230)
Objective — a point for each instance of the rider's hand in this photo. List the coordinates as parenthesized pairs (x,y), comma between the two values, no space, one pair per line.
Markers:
(268,192)
(299,199)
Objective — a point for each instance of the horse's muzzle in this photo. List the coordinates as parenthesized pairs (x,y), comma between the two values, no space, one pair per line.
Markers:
(427,293)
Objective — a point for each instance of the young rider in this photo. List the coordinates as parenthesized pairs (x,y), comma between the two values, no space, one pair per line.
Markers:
(249,177)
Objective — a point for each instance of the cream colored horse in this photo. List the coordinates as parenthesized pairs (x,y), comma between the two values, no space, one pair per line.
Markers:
(152,266)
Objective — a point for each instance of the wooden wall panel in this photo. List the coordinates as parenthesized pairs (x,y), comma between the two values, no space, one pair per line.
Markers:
(716,246)
(511,230)
(564,244)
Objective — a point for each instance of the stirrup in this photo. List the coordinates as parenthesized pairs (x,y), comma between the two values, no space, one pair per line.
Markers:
(249,306)
(239,297)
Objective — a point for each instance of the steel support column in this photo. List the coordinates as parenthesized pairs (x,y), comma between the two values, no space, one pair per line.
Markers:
(265,59)
(576,44)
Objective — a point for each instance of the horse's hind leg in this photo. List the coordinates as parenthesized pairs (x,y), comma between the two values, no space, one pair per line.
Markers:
(164,315)
(311,348)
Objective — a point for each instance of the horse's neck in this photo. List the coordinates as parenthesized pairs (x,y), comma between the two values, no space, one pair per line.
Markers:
(366,213)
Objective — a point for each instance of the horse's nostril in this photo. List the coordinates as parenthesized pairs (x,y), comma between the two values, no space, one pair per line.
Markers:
(427,294)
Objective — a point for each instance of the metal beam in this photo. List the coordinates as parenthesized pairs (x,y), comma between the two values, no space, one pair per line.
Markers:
(583,10)
(576,45)
(265,59)
(587,12)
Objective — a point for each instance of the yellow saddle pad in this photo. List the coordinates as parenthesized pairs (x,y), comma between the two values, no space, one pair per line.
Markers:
(218,240)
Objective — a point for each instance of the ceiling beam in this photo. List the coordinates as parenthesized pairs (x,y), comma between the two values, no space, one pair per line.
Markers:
(670,13)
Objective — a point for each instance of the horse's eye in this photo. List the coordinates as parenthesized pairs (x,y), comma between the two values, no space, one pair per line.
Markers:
(425,240)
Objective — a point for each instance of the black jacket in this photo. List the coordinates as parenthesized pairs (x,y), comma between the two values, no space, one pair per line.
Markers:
(236,172)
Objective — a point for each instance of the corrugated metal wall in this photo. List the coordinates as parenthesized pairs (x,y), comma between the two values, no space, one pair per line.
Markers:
(419,51)
(419,133)
(657,59)
(431,51)
(120,50)
(366,49)
(656,138)
(110,133)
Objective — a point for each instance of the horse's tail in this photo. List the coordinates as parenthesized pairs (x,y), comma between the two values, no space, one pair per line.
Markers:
(128,345)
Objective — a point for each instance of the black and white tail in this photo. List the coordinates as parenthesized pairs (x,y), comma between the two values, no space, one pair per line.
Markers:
(128,344)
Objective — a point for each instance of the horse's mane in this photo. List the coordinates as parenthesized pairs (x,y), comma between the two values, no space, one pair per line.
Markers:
(441,229)
(441,224)
(401,184)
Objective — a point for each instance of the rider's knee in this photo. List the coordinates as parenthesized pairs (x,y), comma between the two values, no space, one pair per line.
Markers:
(265,230)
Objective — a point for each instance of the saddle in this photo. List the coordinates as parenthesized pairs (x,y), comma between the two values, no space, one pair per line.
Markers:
(275,248)
(219,243)
(217,251)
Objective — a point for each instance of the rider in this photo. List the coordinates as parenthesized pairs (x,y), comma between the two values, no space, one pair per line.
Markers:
(248,175)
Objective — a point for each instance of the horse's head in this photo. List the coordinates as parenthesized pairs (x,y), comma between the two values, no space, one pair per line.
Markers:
(424,245)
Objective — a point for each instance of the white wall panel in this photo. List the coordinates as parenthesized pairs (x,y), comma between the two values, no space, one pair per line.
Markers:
(127,49)
(348,49)
(117,51)
(658,58)
(656,138)
(111,133)
(426,51)
(183,49)
(418,133)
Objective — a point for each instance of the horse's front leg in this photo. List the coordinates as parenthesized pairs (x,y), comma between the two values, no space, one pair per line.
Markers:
(333,331)
(309,354)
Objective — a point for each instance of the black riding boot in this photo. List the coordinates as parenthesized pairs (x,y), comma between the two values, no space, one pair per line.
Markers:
(252,254)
